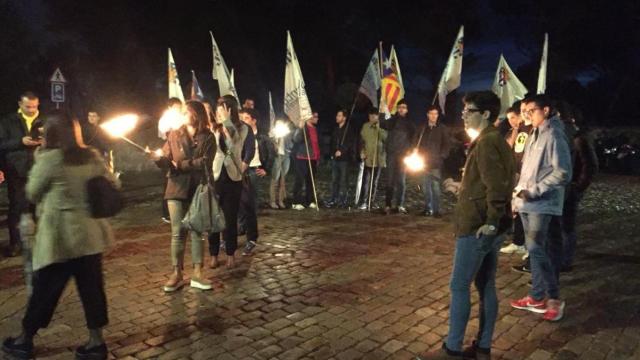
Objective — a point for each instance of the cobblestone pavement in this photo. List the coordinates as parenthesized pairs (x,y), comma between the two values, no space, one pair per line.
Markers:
(341,285)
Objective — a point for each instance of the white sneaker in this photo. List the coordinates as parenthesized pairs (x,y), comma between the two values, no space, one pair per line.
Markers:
(297,207)
(513,248)
(362,207)
(313,206)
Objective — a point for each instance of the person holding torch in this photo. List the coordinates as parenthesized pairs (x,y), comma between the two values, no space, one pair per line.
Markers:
(186,154)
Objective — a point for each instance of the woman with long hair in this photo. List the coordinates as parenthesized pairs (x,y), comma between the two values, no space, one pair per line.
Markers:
(187,154)
(228,169)
(69,242)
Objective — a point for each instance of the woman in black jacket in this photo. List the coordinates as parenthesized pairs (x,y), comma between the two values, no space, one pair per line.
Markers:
(187,153)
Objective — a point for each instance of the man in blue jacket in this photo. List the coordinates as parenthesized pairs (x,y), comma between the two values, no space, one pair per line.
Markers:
(546,170)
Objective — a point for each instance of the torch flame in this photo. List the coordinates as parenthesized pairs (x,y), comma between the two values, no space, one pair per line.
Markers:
(473,133)
(120,125)
(172,119)
(281,129)
(158,152)
(414,162)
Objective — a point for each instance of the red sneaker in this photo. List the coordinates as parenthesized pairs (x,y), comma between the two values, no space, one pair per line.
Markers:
(555,310)
(528,303)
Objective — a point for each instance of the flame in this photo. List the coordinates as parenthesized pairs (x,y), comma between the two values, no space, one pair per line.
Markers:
(414,162)
(158,152)
(472,133)
(172,119)
(120,125)
(281,129)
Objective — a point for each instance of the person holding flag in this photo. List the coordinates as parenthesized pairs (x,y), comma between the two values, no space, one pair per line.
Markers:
(306,162)
(400,138)
(341,155)
(373,140)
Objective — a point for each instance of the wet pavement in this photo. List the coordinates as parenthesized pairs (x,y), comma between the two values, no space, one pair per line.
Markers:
(340,284)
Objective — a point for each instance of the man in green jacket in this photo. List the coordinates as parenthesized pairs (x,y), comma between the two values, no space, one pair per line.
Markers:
(482,216)
(372,152)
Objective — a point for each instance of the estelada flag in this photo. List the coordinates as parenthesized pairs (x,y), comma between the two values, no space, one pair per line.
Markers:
(392,90)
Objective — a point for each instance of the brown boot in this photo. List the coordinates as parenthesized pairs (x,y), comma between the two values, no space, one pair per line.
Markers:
(175,281)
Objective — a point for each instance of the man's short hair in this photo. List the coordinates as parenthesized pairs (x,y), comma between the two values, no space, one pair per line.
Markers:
(373,111)
(29,95)
(484,100)
(174,101)
(251,112)
(434,107)
(541,100)
(402,102)
(343,111)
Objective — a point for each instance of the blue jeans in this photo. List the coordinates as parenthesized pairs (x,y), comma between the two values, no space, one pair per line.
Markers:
(396,181)
(177,210)
(432,191)
(543,240)
(474,260)
(339,181)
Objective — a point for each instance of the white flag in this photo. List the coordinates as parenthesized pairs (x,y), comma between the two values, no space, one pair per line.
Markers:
(296,103)
(174,82)
(371,80)
(272,113)
(221,72)
(507,86)
(450,79)
(196,92)
(542,74)
(232,87)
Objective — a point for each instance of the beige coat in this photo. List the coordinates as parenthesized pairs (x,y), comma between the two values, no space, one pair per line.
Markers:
(65,229)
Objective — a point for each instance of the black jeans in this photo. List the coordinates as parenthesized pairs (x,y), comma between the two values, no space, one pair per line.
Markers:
(339,181)
(518,231)
(248,212)
(18,204)
(50,281)
(229,196)
(303,176)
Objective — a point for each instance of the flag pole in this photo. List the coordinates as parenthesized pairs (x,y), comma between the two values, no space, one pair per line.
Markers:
(313,183)
(375,152)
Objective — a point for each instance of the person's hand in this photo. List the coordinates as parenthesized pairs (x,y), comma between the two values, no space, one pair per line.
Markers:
(486,230)
(384,108)
(243,167)
(174,163)
(338,153)
(363,156)
(28,141)
(261,172)
(524,194)
(1,177)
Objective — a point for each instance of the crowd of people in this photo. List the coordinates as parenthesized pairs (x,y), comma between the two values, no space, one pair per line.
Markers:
(523,179)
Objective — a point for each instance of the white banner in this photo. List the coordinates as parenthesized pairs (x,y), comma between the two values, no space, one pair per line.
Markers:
(221,72)
(174,82)
(507,86)
(542,74)
(450,79)
(296,103)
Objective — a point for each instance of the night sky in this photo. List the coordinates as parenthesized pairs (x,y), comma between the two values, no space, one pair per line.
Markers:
(114,52)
